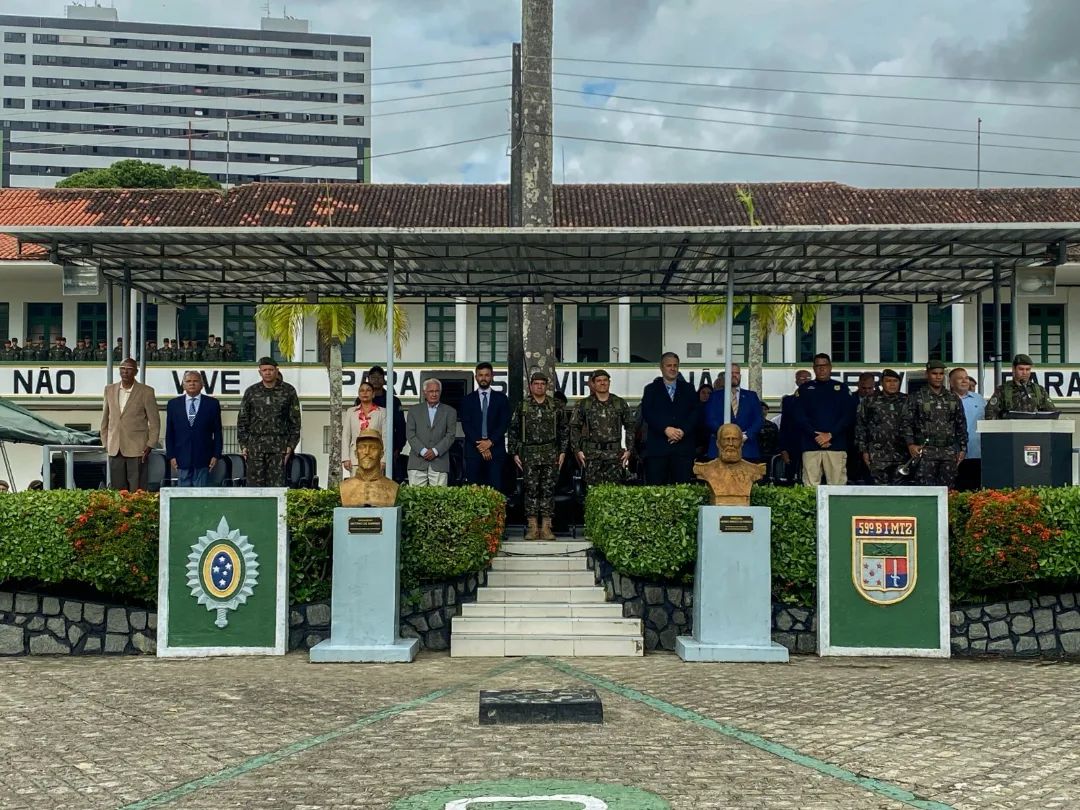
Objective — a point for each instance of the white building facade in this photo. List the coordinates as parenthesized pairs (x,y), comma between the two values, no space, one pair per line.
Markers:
(241,105)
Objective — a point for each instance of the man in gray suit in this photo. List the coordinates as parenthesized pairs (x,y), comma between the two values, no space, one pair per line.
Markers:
(430,428)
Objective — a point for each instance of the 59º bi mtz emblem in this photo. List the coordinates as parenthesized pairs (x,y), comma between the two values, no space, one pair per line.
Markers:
(223,570)
(883,565)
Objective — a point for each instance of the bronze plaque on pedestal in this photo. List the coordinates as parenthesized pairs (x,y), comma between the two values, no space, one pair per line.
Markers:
(365,525)
(736,523)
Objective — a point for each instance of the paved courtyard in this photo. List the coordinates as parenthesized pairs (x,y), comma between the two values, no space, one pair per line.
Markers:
(270,733)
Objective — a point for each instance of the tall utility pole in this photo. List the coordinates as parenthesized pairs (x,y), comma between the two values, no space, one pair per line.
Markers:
(538,317)
(515,361)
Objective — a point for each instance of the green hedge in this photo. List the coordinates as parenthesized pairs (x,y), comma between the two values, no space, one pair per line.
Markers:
(1000,543)
(108,540)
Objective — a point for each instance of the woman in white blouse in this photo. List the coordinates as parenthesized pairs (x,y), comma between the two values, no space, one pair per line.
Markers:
(365,416)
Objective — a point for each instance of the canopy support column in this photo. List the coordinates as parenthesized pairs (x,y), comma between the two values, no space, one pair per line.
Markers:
(142,336)
(125,317)
(980,356)
(997,324)
(110,328)
(729,334)
(388,451)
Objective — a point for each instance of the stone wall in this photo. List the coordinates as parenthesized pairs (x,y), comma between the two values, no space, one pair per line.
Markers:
(31,624)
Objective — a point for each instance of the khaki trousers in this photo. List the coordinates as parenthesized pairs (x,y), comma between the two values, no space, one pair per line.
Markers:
(832,462)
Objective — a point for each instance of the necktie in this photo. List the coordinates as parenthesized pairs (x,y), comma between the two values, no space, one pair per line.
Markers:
(191,411)
(671,392)
(483,415)
(734,402)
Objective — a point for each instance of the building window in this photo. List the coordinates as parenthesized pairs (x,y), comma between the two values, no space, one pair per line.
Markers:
(806,347)
(193,322)
(939,328)
(5,321)
(847,333)
(895,331)
(491,332)
(646,333)
(239,329)
(13,36)
(354,56)
(593,333)
(151,324)
(14,81)
(988,331)
(740,336)
(14,103)
(1046,333)
(44,322)
(558,333)
(439,333)
(92,322)
(14,59)
(353,98)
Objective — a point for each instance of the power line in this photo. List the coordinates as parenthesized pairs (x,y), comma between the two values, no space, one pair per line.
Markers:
(445,62)
(856,121)
(778,156)
(749,88)
(817,131)
(805,72)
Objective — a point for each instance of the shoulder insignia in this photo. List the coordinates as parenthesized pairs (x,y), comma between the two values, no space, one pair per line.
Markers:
(836,388)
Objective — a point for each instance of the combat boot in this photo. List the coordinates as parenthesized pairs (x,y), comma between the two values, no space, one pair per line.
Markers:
(532,532)
(545,529)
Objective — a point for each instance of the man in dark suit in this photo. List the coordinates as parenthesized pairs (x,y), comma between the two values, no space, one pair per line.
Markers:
(745,414)
(669,409)
(193,433)
(485,415)
(790,447)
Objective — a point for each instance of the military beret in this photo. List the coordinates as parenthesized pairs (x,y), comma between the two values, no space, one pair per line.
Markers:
(268,361)
(890,373)
(1022,360)
(599,373)
(538,375)
(931,365)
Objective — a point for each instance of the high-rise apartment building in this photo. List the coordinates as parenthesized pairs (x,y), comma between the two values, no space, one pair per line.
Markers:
(242,105)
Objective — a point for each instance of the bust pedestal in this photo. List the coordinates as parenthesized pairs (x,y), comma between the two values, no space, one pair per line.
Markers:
(732,588)
(366,590)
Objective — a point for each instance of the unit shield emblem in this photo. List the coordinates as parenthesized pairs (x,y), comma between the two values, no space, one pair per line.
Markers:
(883,558)
(223,570)
(1032,455)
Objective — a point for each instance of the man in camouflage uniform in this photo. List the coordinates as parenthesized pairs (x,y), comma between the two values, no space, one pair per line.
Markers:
(166,353)
(268,427)
(101,352)
(60,351)
(596,432)
(1021,393)
(118,350)
(212,352)
(878,429)
(538,434)
(935,430)
(6,354)
(41,350)
(78,354)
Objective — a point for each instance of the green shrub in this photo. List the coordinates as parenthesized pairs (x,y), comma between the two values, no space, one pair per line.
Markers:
(309,514)
(33,543)
(794,541)
(115,539)
(1059,559)
(648,532)
(448,531)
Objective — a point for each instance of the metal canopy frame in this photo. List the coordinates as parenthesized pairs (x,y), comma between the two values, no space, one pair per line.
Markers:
(923,262)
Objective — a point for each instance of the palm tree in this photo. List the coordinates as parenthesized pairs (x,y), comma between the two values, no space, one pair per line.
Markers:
(335,318)
(767,316)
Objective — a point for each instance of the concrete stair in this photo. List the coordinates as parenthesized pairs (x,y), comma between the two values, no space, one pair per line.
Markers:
(542,599)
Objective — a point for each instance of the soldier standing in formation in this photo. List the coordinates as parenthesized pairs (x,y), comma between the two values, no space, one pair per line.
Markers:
(878,429)
(59,352)
(1021,393)
(596,432)
(101,352)
(538,434)
(268,426)
(935,429)
(212,352)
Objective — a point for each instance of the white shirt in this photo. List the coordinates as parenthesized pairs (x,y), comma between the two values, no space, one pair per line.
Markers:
(123,396)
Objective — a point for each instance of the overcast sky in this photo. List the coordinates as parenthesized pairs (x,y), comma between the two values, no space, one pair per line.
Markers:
(1005,39)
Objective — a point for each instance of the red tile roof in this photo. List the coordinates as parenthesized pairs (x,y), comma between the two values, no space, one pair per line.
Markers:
(581,206)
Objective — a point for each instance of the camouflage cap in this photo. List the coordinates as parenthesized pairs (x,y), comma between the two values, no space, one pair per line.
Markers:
(268,361)
(1022,360)
(599,373)
(934,365)
(890,374)
(539,376)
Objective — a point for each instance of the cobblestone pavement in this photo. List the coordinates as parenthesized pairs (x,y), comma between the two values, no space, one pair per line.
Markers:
(283,733)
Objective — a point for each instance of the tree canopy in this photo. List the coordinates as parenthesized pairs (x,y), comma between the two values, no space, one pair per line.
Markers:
(138,174)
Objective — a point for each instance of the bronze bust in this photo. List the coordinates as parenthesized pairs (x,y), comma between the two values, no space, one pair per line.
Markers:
(368,486)
(728,476)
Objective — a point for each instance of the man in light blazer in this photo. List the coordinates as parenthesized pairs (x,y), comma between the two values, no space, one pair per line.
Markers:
(193,441)
(430,428)
(130,427)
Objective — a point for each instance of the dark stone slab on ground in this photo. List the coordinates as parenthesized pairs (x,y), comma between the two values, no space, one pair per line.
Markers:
(536,706)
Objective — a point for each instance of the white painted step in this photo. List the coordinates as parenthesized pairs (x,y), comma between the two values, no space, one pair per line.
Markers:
(523,563)
(541,579)
(608,610)
(518,594)
(545,547)
(469,626)
(500,646)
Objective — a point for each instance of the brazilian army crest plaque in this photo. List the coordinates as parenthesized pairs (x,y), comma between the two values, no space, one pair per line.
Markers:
(222,572)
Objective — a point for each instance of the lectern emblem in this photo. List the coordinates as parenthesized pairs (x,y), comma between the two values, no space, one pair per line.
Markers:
(223,570)
(1032,455)
(883,558)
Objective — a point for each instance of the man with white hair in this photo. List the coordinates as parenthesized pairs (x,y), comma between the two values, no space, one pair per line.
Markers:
(431,428)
